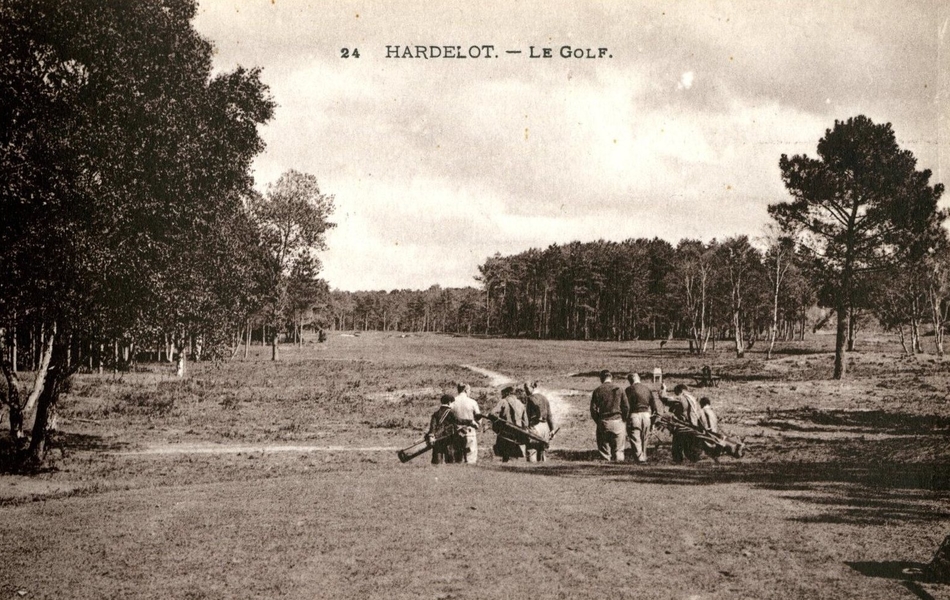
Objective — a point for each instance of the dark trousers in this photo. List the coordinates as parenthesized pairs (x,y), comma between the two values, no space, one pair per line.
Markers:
(685,446)
(444,452)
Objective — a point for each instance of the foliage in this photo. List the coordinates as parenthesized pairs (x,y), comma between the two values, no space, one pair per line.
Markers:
(124,163)
(293,221)
(858,208)
(638,288)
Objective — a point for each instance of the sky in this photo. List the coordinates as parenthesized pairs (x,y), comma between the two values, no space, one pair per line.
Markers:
(435,164)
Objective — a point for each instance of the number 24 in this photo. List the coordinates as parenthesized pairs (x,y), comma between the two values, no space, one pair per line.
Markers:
(345,53)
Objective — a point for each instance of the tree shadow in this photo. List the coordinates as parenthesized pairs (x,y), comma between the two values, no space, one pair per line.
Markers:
(909,574)
(72,442)
(14,454)
(803,351)
(843,479)
(689,377)
(871,421)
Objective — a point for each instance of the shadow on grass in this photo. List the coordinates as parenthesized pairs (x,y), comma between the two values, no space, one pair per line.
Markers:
(689,377)
(909,574)
(13,455)
(861,492)
(802,351)
(72,442)
(872,421)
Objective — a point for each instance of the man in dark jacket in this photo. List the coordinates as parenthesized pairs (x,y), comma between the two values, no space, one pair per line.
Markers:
(609,410)
(441,433)
(540,420)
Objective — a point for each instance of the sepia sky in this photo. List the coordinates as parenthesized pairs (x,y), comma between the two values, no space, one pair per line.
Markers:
(437,164)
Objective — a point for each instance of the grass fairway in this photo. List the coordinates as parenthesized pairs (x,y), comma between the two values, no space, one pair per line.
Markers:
(302,496)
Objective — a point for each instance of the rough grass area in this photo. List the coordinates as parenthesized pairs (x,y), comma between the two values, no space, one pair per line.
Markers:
(845,483)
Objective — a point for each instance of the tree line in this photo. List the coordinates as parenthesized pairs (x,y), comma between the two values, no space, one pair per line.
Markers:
(130,222)
(862,237)
(648,289)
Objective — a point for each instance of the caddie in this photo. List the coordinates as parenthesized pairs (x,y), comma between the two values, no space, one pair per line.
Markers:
(540,421)
(465,412)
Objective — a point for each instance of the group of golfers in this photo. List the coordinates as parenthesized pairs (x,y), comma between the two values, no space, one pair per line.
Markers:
(620,414)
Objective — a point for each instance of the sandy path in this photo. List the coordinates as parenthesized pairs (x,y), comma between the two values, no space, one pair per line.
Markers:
(559,406)
(208,448)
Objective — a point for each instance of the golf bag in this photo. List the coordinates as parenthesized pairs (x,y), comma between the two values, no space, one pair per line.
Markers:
(713,444)
(423,446)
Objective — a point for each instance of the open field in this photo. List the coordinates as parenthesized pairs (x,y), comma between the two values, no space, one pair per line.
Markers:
(252,479)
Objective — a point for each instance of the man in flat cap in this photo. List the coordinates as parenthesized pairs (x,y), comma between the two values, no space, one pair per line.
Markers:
(684,407)
(512,410)
(441,433)
(540,419)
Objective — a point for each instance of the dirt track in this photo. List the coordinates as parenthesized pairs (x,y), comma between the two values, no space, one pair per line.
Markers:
(247,449)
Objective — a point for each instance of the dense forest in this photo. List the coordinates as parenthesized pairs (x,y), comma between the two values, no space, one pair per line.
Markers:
(634,289)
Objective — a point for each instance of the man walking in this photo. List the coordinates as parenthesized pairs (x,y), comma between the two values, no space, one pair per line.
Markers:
(684,407)
(465,410)
(441,433)
(540,420)
(642,408)
(609,410)
(512,410)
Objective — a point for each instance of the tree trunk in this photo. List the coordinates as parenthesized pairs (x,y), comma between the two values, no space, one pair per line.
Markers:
(57,375)
(900,332)
(274,355)
(852,328)
(841,335)
(773,333)
(13,401)
(247,341)
(180,369)
(936,303)
(39,382)
(13,349)
(915,336)
(737,326)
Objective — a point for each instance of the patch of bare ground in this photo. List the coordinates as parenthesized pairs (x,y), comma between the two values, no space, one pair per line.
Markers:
(845,484)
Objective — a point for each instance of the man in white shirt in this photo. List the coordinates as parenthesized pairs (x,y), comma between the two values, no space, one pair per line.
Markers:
(466,411)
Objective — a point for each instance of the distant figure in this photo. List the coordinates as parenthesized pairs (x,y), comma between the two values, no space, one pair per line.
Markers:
(465,411)
(441,433)
(709,419)
(610,411)
(540,420)
(684,407)
(643,407)
(706,377)
(512,410)
(657,375)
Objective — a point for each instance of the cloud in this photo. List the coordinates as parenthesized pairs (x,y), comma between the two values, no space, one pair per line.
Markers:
(437,165)
(686,81)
